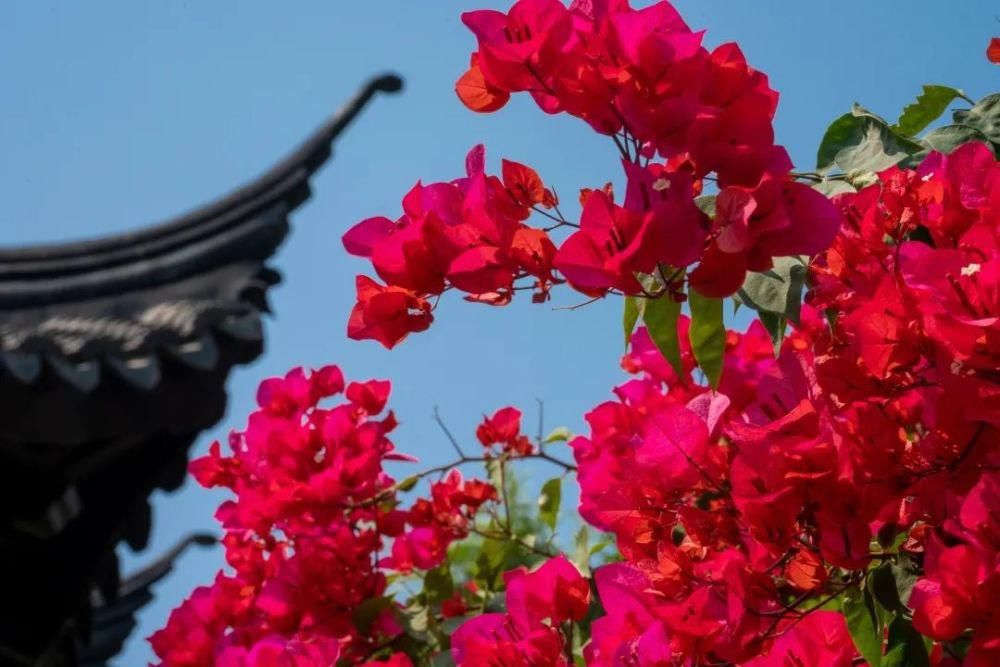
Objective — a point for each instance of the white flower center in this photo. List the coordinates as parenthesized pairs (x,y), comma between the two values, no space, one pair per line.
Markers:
(971,269)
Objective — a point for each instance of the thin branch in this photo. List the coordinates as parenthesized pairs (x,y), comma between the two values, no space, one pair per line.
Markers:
(568,467)
(621,148)
(541,420)
(562,217)
(515,539)
(580,305)
(503,495)
(447,433)
(807,176)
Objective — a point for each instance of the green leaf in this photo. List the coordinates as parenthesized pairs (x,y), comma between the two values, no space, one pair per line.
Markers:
(984,116)
(906,573)
(438,584)
(777,291)
(601,546)
(630,317)
(948,138)
(834,187)
(861,179)
(895,657)
(660,317)
(417,619)
(408,483)
(883,587)
(860,112)
(708,335)
(906,645)
(491,562)
(706,204)
(366,613)
(581,550)
(775,325)
(864,624)
(861,141)
(840,134)
(928,106)
(495,473)
(877,147)
(558,434)
(443,659)
(548,502)
(888,535)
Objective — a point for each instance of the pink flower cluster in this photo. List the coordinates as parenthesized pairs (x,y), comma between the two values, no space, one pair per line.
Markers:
(504,428)
(872,438)
(680,114)
(468,234)
(910,365)
(860,462)
(531,633)
(643,77)
(713,533)
(306,532)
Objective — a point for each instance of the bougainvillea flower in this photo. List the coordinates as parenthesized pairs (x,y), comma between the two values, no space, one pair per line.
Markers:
(313,506)
(821,638)
(612,245)
(515,47)
(525,185)
(868,435)
(386,313)
(630,622)
(477,93)
(555,592)
(395,660)
(958,593)
(677,227)
(753,225)
(718,274)
(371,396)
(277,650)
(504,428)
(537,603)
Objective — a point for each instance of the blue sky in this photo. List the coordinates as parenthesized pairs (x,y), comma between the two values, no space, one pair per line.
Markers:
(121,113)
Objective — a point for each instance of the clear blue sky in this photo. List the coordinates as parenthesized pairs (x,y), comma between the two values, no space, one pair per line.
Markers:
(121,113)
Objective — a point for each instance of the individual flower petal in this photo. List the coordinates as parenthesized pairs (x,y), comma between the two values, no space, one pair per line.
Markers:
(477,94)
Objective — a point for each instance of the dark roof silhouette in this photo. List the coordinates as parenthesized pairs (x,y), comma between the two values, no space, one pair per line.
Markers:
(114,354)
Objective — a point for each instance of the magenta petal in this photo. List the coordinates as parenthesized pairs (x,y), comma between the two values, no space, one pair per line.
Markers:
(489,627)
(582,263)
(486,24)
(710,406)
(361,239)
(475,161)
(815,221)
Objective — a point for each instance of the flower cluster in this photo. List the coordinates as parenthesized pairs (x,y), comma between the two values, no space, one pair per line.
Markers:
(437,522)
(306,533)
(909,366)
(872,438)
(714,535)
(468,234)
(680,115)
(828,497)
(644,78)
(531,632)
(504,429)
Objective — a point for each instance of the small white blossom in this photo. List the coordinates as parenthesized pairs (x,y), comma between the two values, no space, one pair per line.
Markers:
(661,184)
(971,269)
